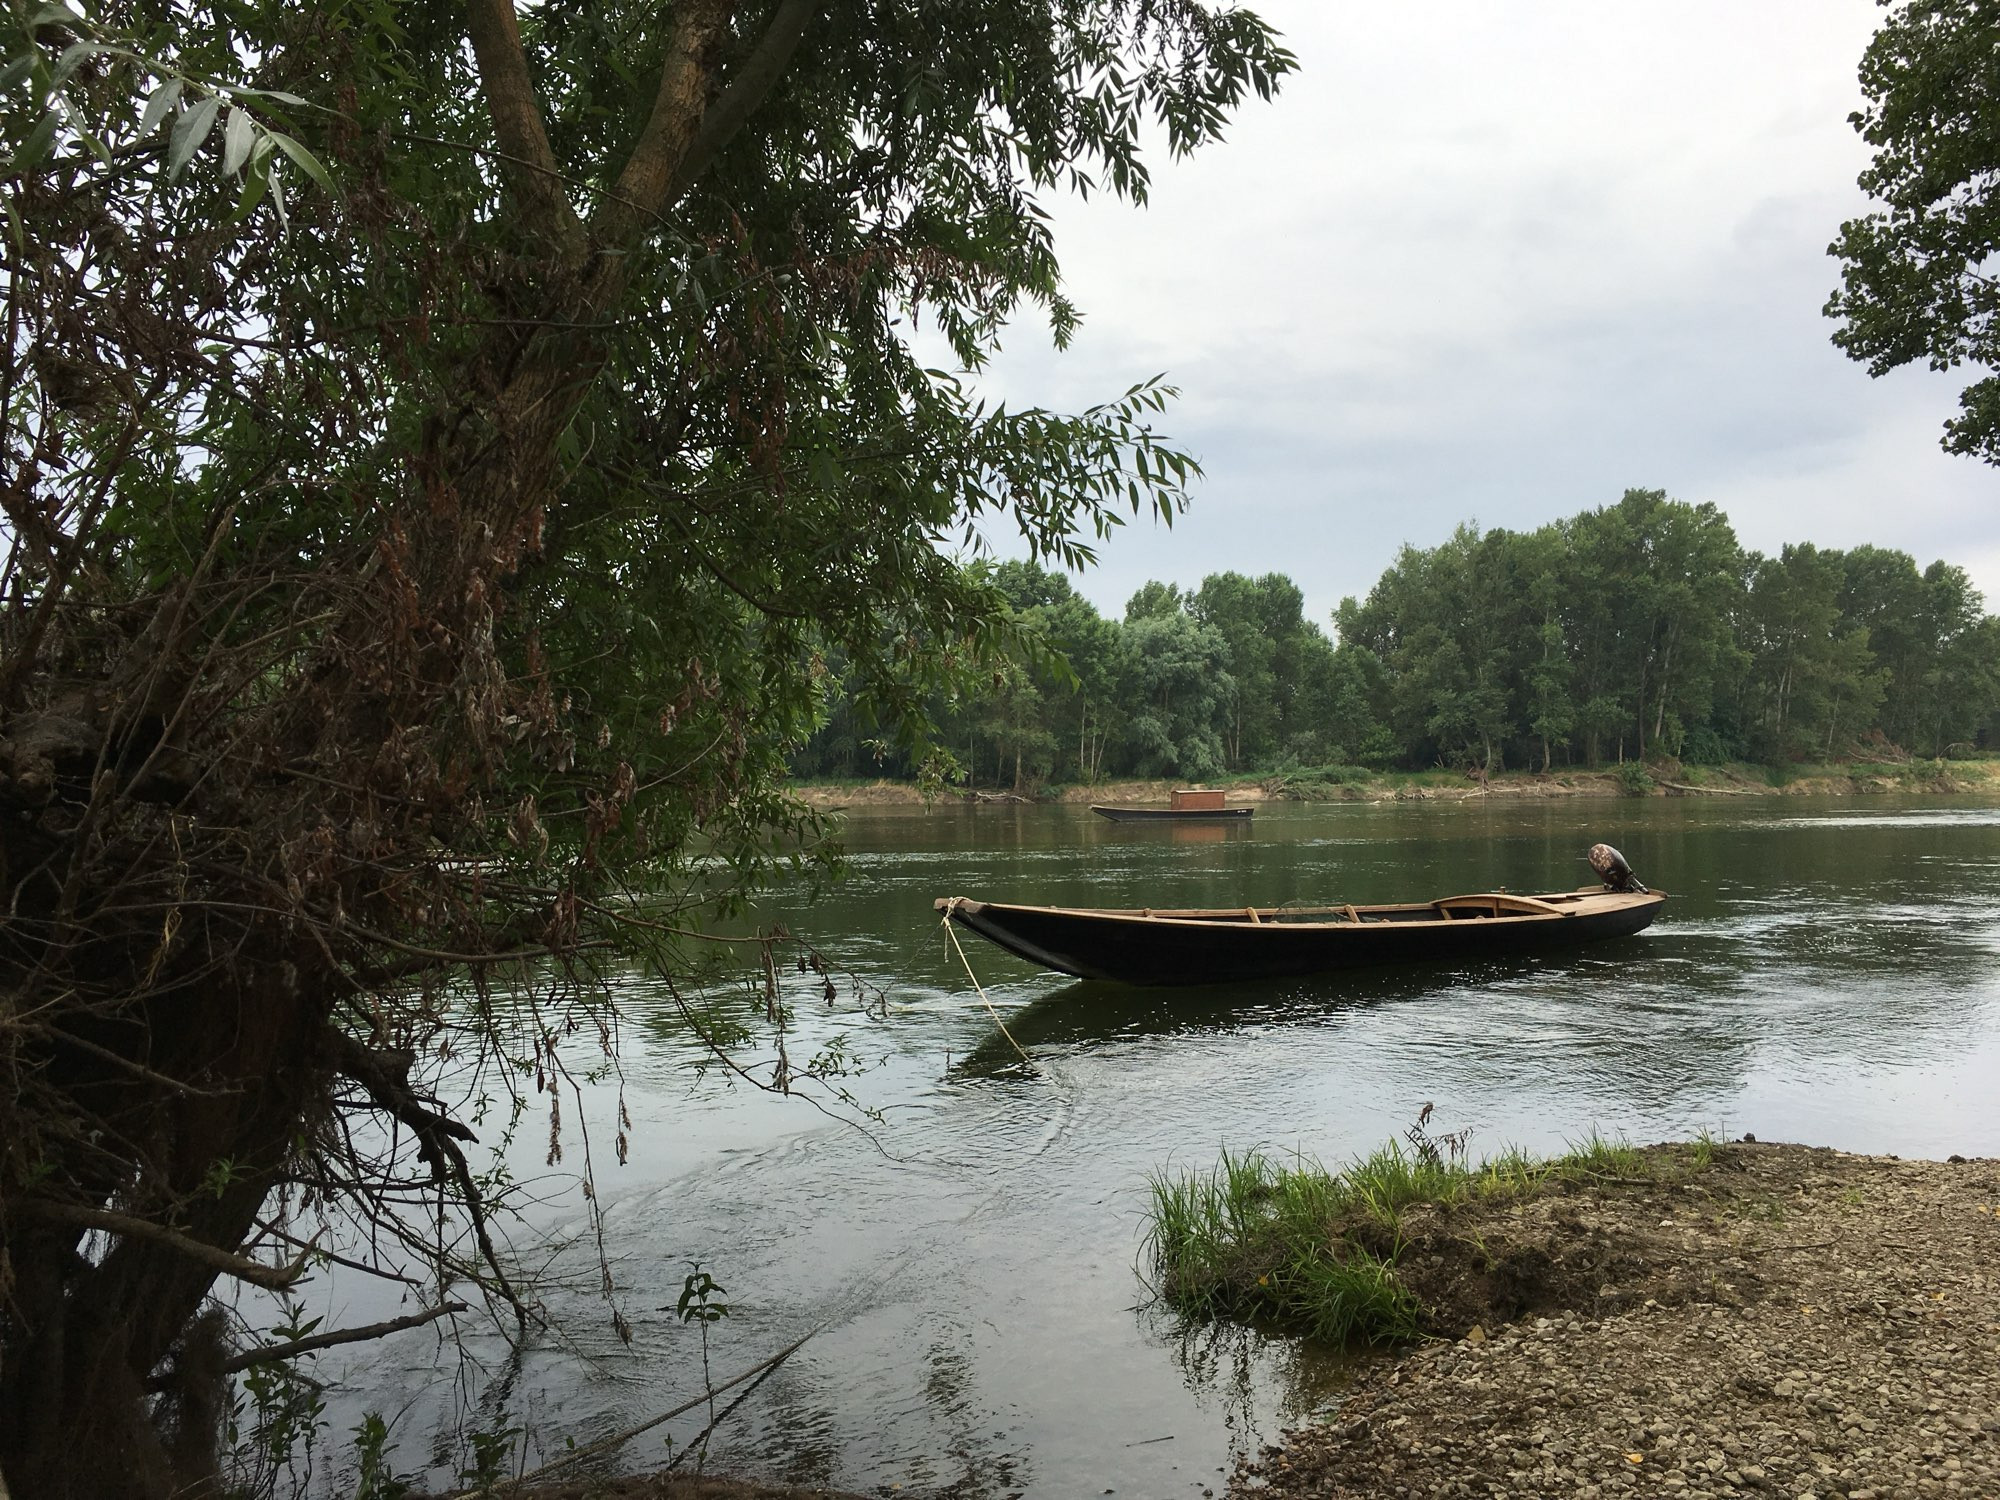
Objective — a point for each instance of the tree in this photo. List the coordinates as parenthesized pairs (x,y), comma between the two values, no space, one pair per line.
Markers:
(1957,691)
(1353,716)
(1916,280)
(1882,593)
(438,464)
(1090,715)
(1547,707)
(1178,691)
(1153,600)
(1270,641)
(1815,685)
(1655,589)
(1435,620)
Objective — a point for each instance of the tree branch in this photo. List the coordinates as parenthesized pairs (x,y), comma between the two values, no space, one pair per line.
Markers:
(693,47)
(517,122)
(385,1075)
(271,1353)
(748,89)
(617,1439)
(273,1278)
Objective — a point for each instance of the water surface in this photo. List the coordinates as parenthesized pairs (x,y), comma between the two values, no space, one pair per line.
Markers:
(1826,971)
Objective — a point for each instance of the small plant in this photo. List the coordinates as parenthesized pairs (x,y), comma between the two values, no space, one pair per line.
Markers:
(1922,772)
(221,1176)
(1251,1240)
(700,1303)
(490,1452)
(699,1293)
(276,1416)
(1597,1156)
(1432,1149)
(374,1479)
(1634,780)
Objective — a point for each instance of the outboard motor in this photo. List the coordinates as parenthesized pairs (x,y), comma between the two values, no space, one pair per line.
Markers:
(1612,870)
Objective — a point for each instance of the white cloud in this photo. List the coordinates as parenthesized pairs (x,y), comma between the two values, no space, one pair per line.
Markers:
(1500,263)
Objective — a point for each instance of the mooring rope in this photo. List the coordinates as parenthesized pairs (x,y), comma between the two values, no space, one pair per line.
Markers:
(950,906)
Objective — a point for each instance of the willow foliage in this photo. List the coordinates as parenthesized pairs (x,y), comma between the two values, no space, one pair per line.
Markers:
(442,445)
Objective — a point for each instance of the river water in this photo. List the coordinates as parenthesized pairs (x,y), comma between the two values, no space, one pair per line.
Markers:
(971,1253)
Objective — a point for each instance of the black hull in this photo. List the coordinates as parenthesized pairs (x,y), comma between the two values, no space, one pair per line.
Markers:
(1171,815)
(1217,947)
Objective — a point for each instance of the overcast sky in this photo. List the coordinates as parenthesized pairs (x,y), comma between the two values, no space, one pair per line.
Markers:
(1498,262)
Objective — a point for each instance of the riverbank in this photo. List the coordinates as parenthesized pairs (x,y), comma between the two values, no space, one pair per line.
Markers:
(1736,1319)
(1936,778)
(672,1487)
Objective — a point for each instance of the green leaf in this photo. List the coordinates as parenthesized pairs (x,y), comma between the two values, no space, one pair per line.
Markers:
(190,130)
(242,91)
(237,137)
(35,149)
(15,69)
(256,183)
(54,15)
(73,58)
(165,97)
(307,162)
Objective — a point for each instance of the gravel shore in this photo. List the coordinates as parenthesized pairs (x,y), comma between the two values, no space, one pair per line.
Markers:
(1763,1320)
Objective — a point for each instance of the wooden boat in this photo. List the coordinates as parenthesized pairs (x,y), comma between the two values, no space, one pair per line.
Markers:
(1170,814)
(1185,804)
(1212,946)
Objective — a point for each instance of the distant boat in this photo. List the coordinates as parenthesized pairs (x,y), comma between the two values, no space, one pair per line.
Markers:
(1194,804)
(1156,946)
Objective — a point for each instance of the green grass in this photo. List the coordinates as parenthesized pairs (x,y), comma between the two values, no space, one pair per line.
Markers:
(1249,1241)
(1597,1156)
(1702,1151)
(1314,1252)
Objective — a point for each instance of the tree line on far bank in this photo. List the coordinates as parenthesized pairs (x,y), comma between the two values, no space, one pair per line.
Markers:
(1638,631)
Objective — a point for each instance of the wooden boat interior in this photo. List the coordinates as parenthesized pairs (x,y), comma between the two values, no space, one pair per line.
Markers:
(1481,904)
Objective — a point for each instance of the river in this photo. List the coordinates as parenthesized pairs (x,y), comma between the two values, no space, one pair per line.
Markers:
(1825,971)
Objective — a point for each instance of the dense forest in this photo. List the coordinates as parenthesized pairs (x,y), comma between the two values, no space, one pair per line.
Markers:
(1637,631)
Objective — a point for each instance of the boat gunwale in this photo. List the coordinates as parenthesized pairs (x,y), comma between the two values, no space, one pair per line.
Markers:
(1151,811)
(1276,917)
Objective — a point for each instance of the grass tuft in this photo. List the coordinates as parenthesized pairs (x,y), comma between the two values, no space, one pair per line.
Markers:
(1598,1156)
(1313,1251)
(1249,1241)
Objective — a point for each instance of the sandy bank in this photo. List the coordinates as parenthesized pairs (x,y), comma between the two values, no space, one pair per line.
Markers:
(1781,1321)
(1951,778)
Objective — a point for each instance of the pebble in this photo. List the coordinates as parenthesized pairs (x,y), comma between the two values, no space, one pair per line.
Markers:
(1802,1383)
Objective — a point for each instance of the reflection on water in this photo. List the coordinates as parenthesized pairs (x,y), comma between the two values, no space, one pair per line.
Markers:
(1823,972)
